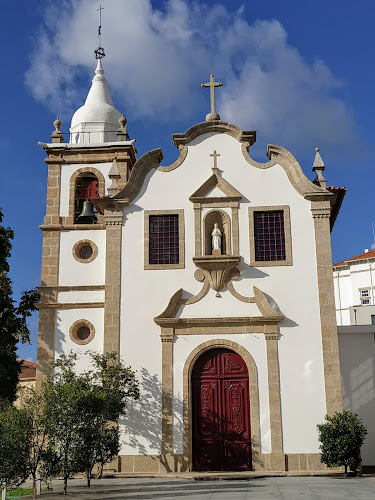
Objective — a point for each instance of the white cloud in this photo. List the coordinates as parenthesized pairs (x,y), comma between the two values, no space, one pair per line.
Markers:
(156,60)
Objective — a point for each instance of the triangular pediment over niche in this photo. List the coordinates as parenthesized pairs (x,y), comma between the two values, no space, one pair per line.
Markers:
(214,189)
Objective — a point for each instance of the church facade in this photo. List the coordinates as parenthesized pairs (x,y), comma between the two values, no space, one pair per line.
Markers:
(211,277)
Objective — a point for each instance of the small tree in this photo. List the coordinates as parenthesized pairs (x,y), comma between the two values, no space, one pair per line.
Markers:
(80,411)
(341,439)
(33,406)
(14,444)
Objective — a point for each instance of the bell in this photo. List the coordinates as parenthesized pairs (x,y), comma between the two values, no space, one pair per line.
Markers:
(87,210)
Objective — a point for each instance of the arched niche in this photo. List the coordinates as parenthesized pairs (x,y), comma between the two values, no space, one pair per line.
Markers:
(222,219)
(86,188)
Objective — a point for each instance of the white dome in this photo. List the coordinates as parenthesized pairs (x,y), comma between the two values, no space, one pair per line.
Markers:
(98,108)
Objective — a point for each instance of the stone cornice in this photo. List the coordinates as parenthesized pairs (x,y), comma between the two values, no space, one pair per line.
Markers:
(248,136)
(134,185)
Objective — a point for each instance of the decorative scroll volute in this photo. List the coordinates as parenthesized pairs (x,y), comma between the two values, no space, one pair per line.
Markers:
(217,270)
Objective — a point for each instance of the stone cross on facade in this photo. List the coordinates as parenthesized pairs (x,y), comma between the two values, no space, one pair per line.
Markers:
(214,155)
(212,84)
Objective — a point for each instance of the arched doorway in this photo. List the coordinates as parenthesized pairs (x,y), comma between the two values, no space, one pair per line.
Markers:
(221,412)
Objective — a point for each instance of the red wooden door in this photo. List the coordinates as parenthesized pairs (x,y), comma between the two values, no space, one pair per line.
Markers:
(221,413)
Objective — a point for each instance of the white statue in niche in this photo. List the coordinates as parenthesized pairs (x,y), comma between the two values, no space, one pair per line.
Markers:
(216,238)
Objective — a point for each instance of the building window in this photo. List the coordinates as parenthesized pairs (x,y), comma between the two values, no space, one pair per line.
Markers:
(82,332)
(365,296)
(85,251)
(164,239)
(269,236)
(270,241)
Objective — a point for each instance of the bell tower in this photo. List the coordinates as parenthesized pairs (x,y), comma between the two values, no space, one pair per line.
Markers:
(79,294)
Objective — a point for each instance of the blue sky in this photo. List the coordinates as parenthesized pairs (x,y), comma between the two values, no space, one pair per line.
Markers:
(301,73)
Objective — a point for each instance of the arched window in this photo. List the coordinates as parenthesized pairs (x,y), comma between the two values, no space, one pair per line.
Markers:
(221,218)
(86,189)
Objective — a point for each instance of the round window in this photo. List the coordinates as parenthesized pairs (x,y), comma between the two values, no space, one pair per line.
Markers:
(85,251)
(82,332)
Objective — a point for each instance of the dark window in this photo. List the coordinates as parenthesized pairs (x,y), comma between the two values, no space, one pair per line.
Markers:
(85,252)
(372,319)
(164,239)
(83,332)
(269,236)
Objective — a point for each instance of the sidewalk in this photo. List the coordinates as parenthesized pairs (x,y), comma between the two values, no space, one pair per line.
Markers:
(290,488)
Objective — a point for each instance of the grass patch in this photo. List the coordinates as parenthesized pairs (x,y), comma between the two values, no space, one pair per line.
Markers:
(19,492)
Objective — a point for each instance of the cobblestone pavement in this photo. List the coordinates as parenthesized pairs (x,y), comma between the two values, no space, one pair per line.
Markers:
(289,488)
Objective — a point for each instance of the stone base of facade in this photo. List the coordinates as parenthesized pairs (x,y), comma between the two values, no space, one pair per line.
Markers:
(273,462)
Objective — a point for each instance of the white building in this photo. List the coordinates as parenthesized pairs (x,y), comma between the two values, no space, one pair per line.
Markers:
(354,281)
(233,335)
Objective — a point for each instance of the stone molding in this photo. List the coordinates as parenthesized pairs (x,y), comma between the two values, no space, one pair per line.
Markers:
(242,324)
(287,233)
(62,226)
(181,239)
(71,288)
(80,244)
(292,168)
(70,305)
(138,174)
(112,306)
(297,462)
(216,126)
(253,396)
(76,326)
(331,360)
(183,154)
(72,191)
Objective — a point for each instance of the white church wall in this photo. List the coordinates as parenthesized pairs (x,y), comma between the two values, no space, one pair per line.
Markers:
(357,359)
(67,171)
(74,296)
(72,272)
(255,344)
(64,344)
(292,288)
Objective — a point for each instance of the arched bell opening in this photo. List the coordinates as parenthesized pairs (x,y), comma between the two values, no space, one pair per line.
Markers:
(86,189)
(222,220)
(221,435)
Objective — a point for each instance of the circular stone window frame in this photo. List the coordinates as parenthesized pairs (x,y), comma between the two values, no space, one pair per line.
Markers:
(77,248)
(73,331)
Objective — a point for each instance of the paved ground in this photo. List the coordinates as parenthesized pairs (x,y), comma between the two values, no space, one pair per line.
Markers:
(289,488)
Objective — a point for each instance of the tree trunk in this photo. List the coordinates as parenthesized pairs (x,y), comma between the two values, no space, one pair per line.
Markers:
(65,484)
(346,470)
(100,470)
(88,477)
(34,487)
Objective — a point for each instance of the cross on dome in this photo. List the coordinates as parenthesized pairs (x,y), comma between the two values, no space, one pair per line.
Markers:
(212,84)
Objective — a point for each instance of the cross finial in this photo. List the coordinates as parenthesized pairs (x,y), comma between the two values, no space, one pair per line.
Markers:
(99,52)
(214,155)
(212,84)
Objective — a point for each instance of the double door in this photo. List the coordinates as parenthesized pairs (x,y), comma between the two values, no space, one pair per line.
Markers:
(221,413)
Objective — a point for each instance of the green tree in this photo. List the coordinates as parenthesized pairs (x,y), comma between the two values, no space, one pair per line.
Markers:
(32,404)
(81,411)
(112,383)
(13,320)
(14,444)
(341,438)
